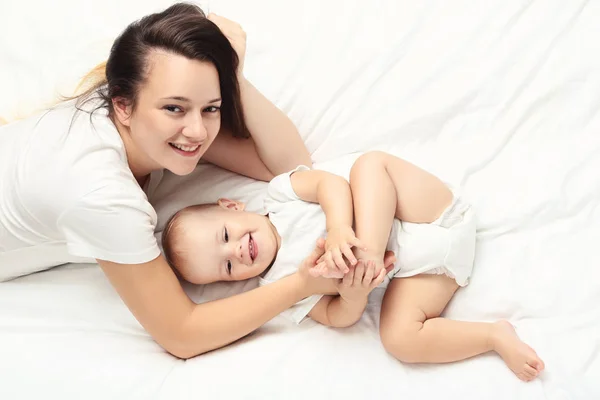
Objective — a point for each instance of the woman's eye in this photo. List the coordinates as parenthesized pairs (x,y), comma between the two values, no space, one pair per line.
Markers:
(173,109)
(212,109)
(226,236)
(229,267)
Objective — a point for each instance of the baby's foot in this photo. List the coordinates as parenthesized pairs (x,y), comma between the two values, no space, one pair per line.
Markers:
(518,356)
(385,260)
(389,259)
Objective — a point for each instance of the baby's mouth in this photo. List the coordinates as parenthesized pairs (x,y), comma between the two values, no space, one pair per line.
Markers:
(252,248)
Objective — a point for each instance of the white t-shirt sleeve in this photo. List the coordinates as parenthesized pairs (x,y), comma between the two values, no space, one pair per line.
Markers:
(113,223)
(280,188)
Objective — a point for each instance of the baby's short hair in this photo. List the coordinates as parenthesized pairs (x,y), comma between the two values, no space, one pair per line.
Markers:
(174,229)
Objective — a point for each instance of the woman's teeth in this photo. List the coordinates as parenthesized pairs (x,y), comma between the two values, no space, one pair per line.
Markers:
(189,149)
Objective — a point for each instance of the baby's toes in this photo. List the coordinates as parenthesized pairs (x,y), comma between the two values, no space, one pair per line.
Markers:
(523,377)
(536,363)
(529,371)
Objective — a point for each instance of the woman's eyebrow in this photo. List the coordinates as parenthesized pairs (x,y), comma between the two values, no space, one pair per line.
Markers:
(179,98)
(185,99)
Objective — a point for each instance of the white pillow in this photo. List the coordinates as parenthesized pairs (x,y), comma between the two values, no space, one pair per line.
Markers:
(206,184)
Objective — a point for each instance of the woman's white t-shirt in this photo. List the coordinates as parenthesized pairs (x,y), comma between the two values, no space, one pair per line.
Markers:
(67,194)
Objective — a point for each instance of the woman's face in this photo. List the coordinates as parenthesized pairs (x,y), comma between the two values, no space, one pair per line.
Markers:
(177,115)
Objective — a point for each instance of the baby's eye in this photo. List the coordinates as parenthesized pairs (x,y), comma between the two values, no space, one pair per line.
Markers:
(226,236)
(229,267)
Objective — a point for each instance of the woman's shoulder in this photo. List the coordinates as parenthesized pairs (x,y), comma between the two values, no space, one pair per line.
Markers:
(68,154)
(72,140)
(63,123)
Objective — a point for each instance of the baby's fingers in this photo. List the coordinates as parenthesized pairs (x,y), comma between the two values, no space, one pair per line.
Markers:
(348,278)
(329,259)
(326,257)
(379,279)
(369,272)
(358,244)
(317,270)
(359,273)
(349,254)
(326,262)
(323,270)
(339,260)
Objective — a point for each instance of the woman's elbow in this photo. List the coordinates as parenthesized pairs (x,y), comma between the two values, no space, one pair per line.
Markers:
(181,350)
(290,163)
(183,345)
(299,155)
(305,158)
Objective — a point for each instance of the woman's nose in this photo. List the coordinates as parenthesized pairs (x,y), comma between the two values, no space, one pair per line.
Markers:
(195,129)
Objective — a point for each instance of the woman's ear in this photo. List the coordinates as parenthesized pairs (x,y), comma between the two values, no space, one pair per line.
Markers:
(122,109)
(229,204)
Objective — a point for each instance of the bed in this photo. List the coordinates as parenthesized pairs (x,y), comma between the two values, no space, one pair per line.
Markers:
(500,98)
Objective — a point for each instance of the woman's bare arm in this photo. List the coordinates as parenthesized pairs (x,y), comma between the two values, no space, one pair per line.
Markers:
(153,294)
(275,147)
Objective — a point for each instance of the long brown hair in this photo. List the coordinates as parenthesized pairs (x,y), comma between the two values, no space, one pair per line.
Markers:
(181,29)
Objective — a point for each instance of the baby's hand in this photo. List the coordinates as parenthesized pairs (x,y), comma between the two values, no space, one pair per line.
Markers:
(338,245)
(388,264)
(360,281)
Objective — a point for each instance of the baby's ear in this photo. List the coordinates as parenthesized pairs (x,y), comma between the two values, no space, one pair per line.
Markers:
(229,204)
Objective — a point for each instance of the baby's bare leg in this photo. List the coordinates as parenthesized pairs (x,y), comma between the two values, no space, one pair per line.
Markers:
(384,187)
(412,331)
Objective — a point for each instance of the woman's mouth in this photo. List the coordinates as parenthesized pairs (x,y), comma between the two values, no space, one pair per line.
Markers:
(185,150)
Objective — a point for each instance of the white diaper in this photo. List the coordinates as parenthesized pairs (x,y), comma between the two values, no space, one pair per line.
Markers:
(445,246)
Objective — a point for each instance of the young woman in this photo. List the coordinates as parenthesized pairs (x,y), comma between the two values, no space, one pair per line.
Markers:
(73,180)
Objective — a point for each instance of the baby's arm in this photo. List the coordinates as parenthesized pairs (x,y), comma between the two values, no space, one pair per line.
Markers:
(333,193)
(346,309)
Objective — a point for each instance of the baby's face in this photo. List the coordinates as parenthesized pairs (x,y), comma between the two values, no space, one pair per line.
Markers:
(220,244)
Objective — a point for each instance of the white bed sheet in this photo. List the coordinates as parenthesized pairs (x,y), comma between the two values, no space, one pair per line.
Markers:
(500,98)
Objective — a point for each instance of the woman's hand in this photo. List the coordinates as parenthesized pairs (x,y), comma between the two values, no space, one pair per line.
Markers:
(236,35)
(314,283)
(360,281)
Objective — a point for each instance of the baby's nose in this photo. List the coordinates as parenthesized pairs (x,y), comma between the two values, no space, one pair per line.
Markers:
(239,252)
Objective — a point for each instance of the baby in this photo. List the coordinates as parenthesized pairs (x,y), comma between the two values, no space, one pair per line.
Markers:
(389,204)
